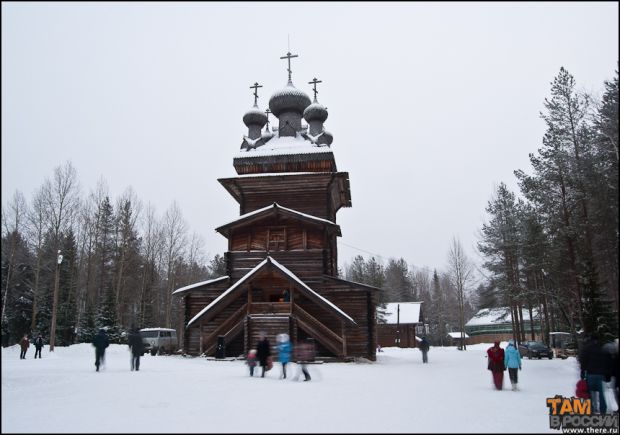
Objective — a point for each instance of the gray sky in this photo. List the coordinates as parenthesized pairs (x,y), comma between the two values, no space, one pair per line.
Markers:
(431,105)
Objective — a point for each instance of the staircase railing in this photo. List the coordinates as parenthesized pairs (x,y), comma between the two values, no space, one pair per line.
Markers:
(230,327)
(321,333)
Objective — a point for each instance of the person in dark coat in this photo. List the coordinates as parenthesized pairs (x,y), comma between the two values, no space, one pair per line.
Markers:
(136,346)
(100,341)
(38,345)
(595,364)
(263,352)
(24,343)
(424,347)
(496,364)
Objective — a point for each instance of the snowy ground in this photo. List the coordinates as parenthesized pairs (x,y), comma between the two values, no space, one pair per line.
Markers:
(62,393)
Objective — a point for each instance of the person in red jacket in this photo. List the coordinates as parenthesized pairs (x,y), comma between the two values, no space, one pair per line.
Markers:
(496,364)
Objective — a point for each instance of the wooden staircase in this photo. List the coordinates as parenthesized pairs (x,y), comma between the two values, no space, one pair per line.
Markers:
(319,331)
(230,329)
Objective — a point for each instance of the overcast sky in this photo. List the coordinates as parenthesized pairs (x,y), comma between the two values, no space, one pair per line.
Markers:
(431,105)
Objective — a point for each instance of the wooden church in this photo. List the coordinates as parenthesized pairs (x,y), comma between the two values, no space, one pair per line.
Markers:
(282,259)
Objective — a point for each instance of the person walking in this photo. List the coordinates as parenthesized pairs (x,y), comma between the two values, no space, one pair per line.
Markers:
(251,361)
(595,364)
(38,345)
(512,361)
(24,343)
(263,352)
(424,347)
(284,352)
(496,364)
(136,346)
(305,353)
(100,341)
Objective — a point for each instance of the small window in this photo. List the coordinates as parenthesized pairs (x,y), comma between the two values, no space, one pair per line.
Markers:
(277,239)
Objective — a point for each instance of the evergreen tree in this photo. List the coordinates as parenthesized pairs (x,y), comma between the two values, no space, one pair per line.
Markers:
(398,286)
(88,325)
(217,266)
(106,318)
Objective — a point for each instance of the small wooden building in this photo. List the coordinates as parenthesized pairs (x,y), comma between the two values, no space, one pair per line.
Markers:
(457,339)
(282,259)
(404,324)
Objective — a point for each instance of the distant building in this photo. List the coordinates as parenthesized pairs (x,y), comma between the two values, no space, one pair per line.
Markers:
(491,324)
(403,320)
(455,339)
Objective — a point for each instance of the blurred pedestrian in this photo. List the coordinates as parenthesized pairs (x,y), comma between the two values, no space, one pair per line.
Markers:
(263,352)
(284,352)
(136,346)
(595,364)
(614,369)
(101,342)
(38,345)
(24,343)
(304,353)
(251,361)
(512,361)
(496,364)
(424,347)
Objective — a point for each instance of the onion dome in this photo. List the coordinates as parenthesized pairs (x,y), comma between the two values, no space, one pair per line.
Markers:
(328,138)
(315,112)
(254,116)
(288,99)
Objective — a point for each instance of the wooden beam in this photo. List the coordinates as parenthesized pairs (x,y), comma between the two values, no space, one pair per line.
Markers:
(344,340)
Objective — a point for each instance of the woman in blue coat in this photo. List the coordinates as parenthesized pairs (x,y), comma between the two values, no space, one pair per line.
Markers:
(512,361)
(284,351)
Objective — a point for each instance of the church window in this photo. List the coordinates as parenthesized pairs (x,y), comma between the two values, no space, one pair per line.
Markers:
(277,239)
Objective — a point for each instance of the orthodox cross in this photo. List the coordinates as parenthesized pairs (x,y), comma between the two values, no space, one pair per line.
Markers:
(314,82)
(267,112)
(289,56)
(255,87)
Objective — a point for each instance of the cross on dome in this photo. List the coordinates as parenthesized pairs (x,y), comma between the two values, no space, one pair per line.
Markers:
(314,82)
(255,87)
(288,57)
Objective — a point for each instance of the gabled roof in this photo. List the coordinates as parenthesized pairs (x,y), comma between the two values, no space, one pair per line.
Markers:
(228,294)
(276,208)
(199,284)
(402,312)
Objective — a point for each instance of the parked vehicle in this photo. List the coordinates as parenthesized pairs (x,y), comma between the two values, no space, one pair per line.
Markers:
(159,340)
(562,344)
(535,349)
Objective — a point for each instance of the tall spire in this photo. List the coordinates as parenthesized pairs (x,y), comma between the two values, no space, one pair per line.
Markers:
(289,56)
(314,82)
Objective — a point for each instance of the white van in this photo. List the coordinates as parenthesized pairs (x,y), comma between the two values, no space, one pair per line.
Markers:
(159,340)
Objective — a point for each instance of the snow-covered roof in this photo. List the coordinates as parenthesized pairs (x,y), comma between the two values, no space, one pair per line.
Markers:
(456,335)
(276,206)
(199,284)
(157,329)
(493,316)
(269,259)
(283,146)
(409,312)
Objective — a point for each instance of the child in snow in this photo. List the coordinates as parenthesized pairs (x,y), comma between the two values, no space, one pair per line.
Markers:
(251,361)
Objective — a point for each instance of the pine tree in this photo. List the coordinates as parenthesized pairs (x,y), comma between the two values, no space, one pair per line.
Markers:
(88,325)
(106,318)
